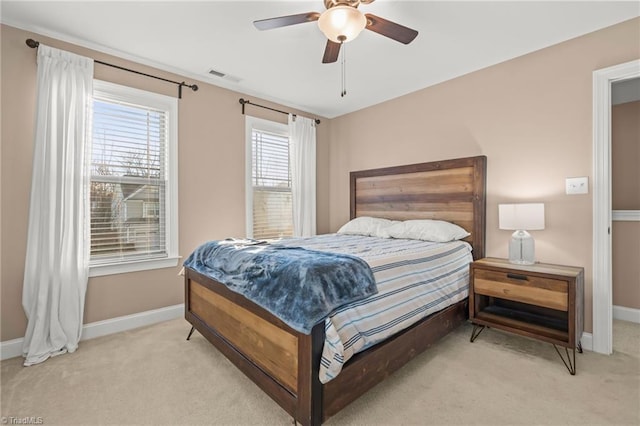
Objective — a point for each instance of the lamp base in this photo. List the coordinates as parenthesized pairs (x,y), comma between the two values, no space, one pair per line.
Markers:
(522,248)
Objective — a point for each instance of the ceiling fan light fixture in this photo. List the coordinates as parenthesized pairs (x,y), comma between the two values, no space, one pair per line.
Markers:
(342,23)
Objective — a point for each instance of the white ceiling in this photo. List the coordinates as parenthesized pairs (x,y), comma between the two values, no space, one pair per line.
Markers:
(284,65)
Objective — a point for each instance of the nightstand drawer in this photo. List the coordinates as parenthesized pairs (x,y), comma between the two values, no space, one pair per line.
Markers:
(524,288)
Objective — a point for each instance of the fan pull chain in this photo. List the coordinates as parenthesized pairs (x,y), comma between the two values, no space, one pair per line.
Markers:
(343,48)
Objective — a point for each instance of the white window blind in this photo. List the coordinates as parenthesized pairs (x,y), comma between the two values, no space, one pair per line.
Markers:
(271,185)
(130,178)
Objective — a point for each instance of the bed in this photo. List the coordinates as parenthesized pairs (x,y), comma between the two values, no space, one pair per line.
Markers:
(285,363)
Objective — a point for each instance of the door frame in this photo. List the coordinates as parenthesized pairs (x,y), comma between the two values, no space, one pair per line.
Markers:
(602,273)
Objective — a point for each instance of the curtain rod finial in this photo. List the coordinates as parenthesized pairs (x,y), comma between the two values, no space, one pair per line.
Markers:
(32,43)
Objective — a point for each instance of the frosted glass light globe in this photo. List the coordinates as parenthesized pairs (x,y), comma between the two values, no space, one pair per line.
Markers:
(342,23)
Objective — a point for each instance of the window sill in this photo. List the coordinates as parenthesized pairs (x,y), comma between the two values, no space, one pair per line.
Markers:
(134,266)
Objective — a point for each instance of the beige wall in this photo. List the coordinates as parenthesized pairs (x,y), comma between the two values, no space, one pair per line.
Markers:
(626,268)
(532,118)
(211,179)
(625,176)
(625,156)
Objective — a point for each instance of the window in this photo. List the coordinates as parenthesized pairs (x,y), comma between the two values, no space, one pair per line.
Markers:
(269,206)
(150,209)
(133,180)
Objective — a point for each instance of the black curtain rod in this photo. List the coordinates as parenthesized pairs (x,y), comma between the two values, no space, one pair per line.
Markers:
(33,44)
(244,102)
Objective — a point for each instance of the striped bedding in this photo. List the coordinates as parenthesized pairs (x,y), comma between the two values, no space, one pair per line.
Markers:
(414,278)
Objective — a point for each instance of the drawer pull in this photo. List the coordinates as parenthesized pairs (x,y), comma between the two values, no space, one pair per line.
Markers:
(518,277)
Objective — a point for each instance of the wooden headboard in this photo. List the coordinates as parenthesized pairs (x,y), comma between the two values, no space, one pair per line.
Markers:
(451,190)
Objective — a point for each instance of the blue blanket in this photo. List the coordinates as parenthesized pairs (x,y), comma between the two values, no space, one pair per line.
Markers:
(299,286)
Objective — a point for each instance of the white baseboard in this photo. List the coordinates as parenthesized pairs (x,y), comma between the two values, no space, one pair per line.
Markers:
(626,314)
(587,341)
(13,348)
(619,313)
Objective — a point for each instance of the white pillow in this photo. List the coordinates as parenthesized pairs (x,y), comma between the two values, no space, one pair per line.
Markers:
(369,226)
(429,230)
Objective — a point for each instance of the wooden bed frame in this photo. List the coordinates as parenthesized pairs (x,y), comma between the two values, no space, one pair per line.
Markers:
(285,363)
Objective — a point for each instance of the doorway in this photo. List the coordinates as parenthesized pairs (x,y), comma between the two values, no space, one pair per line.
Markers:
(625,201)
(602,211)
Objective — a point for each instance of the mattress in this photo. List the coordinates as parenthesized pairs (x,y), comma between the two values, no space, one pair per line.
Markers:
(414,279)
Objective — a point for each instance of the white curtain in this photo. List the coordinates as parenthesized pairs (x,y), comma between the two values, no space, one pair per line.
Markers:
(56,265)
(302,151)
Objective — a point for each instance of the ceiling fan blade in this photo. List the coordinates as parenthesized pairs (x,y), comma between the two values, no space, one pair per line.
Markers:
(390,29)
(283,21)
(331,52)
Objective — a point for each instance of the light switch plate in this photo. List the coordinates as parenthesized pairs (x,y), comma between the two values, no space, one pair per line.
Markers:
(577,185)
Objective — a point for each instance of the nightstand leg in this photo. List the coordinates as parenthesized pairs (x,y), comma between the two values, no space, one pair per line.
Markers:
(477,329)
(190,333)
(569,363)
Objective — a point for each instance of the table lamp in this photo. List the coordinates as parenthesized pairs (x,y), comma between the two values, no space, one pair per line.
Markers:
(521,218)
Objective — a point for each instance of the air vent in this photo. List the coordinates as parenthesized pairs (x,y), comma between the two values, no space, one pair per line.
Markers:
(216,73)
(224,76)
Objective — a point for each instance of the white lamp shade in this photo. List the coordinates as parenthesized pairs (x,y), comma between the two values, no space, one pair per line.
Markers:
(345,21)
(529,217)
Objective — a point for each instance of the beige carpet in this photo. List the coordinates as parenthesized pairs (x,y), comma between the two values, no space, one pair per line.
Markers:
(153,375)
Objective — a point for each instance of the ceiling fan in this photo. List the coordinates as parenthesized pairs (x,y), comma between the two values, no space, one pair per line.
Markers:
(342,22)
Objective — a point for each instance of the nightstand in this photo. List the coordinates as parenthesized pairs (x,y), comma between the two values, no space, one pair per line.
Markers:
(541,301)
